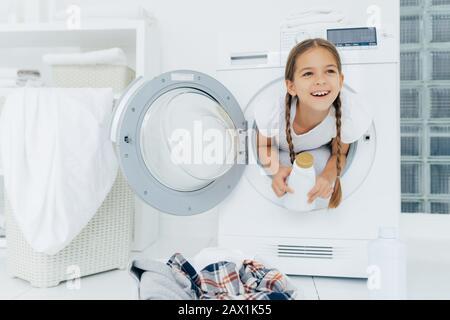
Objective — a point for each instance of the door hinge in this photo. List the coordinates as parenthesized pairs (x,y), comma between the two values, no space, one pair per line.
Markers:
(242,156)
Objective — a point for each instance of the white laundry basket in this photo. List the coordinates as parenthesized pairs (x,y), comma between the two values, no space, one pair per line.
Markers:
(105,243)
(80,76)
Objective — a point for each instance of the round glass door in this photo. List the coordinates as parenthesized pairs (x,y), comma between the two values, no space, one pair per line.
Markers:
(178,141)
(187,140)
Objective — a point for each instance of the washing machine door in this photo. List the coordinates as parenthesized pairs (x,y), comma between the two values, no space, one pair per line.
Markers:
(180,141)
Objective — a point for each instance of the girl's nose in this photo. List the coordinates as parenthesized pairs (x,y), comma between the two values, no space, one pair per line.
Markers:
(320,81)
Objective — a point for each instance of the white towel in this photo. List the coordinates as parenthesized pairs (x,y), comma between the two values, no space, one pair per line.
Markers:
(8,73)
(58,161)
(114,56)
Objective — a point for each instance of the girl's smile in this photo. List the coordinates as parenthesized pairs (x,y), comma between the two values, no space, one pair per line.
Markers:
(320,94)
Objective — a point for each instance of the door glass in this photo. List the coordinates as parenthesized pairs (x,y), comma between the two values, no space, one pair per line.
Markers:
(187,139)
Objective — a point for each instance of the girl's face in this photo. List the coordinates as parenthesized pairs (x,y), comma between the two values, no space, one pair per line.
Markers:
(317,80)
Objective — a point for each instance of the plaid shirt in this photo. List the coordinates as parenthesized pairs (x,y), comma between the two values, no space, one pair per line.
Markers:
(220,280)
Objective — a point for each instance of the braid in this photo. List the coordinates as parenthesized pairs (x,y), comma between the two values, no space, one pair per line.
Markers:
(338,135)
(288,101)
(336,197)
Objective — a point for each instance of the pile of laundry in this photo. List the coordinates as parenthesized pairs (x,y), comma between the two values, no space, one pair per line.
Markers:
(223,280)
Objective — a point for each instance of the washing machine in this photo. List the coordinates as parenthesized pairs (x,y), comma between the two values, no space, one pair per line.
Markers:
(186,143)
(324,242)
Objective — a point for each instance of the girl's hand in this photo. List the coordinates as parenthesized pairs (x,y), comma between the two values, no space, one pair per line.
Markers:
(323,188)
(279,185)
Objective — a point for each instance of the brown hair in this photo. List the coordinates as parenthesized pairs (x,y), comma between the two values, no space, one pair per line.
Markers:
(299,49)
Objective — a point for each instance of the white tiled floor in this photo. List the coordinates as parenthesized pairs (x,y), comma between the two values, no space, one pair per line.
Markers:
(9,288)
(341,289)
(428,278)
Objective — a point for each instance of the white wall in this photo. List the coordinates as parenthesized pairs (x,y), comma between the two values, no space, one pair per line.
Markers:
(189,29)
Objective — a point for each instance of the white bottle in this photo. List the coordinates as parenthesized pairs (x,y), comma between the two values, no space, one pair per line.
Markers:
(302,179)
(387,266)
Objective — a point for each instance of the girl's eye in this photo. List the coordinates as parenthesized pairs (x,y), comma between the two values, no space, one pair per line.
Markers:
(307,74)
(331,71)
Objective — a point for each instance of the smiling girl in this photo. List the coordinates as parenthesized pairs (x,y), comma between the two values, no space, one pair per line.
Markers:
(313,114)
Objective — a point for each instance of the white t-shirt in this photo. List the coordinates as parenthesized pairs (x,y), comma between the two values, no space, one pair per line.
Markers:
(356,119)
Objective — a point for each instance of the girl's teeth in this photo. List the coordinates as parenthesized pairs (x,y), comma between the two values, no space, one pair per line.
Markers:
(320,94)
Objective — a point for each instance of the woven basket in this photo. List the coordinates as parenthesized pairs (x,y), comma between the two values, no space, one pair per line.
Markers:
(105,243)
(92,76)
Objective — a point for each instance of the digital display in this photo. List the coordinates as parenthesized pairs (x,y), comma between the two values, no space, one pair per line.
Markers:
(353,37)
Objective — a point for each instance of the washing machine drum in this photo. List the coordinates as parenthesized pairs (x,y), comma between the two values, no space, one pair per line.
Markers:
(177,138)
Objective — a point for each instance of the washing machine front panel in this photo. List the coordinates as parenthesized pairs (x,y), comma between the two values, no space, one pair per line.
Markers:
(179,143)
(363,210)
(296,241)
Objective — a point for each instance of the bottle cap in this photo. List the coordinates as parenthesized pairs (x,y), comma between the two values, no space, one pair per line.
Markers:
(387,233)
(304,160)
